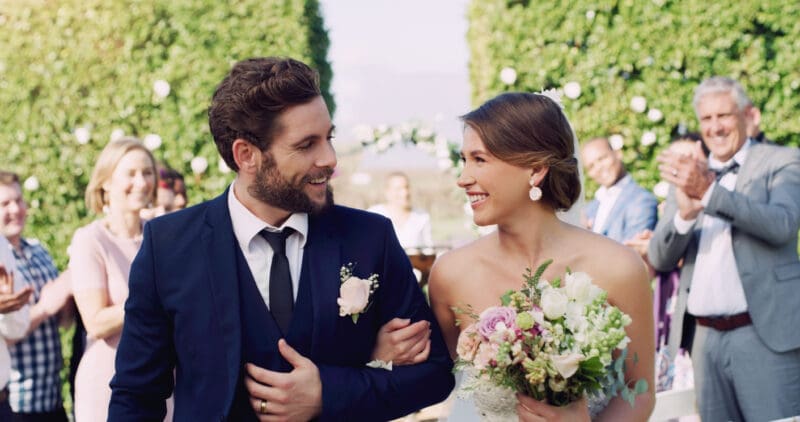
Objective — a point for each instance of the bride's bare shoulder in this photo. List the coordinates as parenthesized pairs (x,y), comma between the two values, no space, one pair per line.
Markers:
(456,263)
(609,261)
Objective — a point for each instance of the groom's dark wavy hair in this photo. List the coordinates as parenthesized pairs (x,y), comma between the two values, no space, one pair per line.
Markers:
(530,130)
(247,103)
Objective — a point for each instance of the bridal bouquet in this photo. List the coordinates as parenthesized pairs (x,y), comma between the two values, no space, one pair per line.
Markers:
(550,342)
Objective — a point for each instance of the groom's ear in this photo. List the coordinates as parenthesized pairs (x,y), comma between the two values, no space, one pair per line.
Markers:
(246,155)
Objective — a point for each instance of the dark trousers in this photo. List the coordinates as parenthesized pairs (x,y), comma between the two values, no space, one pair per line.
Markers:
(57,415)
(5,409)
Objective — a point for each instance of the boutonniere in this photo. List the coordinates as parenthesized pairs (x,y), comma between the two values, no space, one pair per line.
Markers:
(355,293)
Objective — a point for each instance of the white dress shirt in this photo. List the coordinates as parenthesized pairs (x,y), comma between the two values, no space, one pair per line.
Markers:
(716,286)
(13,325)
(414,233)
(256,250)
(607,197)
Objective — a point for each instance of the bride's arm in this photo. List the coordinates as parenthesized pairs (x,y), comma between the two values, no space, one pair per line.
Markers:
(441,286)
(628,288)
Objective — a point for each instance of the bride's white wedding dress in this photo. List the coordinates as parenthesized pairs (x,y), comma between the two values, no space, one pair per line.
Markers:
(482,401)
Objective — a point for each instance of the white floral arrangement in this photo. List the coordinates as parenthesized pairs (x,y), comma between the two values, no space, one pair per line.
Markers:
(355,293)
(550,342)
(383,137)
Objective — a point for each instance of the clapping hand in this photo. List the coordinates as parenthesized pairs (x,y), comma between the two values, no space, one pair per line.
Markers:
(688,172)
(10,301)
(403,343)
(280,396)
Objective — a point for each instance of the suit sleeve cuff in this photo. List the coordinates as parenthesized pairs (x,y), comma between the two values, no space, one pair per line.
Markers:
(682,226)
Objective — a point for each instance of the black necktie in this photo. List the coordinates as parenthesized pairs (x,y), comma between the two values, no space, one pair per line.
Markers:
(733,167)
(281,299)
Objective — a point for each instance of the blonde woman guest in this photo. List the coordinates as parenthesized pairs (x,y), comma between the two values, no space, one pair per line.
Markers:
(412,226)
(123,183)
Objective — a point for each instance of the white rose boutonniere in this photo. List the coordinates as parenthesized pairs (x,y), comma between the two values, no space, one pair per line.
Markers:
(355,293)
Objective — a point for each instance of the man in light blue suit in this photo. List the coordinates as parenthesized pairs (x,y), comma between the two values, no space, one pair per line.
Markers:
(248,288)
(734,219)
(621,208)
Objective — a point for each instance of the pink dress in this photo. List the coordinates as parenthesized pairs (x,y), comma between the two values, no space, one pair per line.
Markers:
(99,260)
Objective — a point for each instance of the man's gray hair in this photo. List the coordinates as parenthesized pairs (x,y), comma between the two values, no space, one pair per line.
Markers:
(720,85)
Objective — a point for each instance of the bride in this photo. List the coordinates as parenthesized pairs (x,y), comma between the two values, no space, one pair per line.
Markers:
(519,171)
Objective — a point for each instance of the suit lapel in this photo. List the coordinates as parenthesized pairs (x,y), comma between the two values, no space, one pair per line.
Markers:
(220,244)
(321,267)
(750,166)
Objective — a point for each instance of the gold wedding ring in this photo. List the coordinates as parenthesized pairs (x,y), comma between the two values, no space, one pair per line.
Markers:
(262,408)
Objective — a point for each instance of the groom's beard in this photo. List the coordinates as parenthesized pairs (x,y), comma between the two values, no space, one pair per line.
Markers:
(270,187)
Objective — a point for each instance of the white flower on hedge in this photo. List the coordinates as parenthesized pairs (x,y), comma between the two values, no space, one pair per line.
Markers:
(82,135)
(199,165)
(638,104)
(161,88)
(649,138)
(617,141)
(590,14)
(223,167)
(508,75)
(572,90)
(31,183)
(152,141)
(655,115)
(661,189)
(116,134)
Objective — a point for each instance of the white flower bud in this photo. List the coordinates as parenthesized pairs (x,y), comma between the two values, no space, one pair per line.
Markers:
(161,88)
(31,183)
(572,90)
(508,75)
(617,141)
(199,165)
(655,115)
(638,104)
(152,141)
(649,138)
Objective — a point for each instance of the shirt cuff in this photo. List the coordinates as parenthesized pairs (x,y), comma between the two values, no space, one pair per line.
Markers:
(379,364)
(707,196)
(682,226)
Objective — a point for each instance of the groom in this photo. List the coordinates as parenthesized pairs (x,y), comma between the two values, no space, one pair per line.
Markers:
(250,281)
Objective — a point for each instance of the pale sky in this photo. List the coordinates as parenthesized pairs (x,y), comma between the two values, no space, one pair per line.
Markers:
(397,61)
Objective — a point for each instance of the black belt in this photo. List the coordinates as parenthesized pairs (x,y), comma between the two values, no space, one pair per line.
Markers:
(725,323)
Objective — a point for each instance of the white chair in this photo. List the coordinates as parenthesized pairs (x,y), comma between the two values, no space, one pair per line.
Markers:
(673,404)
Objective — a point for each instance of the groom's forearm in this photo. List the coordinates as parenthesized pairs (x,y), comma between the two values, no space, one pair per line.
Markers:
(377,394)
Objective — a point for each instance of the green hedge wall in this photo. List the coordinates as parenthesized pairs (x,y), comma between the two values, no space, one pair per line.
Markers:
(655,49)
(74,71)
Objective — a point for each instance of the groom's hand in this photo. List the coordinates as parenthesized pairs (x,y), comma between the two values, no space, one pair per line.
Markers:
(293,396)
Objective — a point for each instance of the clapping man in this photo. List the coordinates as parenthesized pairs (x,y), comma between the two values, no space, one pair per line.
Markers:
(36,362)
(734,220)
(14,319)
(621,208)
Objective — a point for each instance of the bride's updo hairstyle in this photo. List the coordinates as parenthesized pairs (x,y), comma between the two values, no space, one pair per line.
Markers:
(530,131)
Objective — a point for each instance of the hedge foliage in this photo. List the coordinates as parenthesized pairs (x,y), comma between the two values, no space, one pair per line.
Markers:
(660,50)
(74,71)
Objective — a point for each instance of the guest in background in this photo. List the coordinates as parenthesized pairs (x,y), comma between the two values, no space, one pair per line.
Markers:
(170,194)
(35,385)
(734,219)
(754,125)
(621,208)
(14,318)
(122,184)
(412,226)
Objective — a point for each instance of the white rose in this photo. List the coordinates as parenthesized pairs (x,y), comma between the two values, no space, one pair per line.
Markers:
(616,141)
(577,286)
(572,90)
(655,115)
(82,135)
(116,134)
(31,183)
(649,138)
(199,165)
(161,88)
(554,303)
(661,189)
(508,75)
(152,141)
(638,104)
(567,364)
(353,296)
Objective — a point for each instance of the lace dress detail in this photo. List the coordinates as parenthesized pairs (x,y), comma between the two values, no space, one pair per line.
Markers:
(499,404)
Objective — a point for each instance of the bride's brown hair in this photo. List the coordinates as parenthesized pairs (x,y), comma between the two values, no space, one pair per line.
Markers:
(530,130)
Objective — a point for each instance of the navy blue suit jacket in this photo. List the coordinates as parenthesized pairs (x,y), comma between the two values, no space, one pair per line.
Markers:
(182,317)
(636,209)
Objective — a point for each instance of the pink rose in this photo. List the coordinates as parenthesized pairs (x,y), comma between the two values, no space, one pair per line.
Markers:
(353,296)
(489,318)
(467,343)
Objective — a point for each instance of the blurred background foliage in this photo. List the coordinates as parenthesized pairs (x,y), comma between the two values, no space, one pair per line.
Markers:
(615,50)
(73,72)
